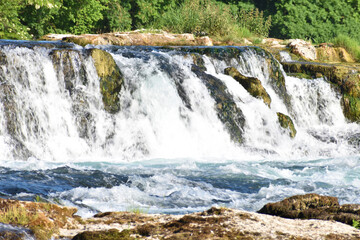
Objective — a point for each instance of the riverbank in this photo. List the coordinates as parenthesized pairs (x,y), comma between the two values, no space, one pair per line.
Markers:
(47,220)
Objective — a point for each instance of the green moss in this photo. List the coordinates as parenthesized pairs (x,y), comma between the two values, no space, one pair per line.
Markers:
(351,106)
(286,122)
(111,234)
(252,85)
(111,79)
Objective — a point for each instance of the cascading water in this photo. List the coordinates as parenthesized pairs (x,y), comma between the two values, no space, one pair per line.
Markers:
(186,137)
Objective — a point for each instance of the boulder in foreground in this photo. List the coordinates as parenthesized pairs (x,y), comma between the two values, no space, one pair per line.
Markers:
(313,206)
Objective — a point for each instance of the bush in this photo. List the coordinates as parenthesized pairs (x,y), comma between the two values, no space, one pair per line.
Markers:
(198,16)
(255,21)
(319,21)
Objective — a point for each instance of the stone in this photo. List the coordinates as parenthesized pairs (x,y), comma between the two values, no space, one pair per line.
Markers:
(251,84)
(287,123)
(227,111)
(326,53)
(313,206)
(345,79)
(304,49)
(111,79)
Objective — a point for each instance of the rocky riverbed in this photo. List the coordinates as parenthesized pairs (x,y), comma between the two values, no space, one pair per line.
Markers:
(45,220)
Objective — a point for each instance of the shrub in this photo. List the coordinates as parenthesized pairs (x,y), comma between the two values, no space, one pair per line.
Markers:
(255,21)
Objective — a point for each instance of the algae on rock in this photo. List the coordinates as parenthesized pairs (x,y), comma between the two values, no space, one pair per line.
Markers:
(111,79)
(251,84)
(286,122)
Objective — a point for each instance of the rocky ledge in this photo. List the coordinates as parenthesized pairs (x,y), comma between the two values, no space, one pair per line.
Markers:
(45,221)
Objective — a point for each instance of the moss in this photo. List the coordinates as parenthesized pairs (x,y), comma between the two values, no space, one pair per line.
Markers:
(252,85)
(111,79)
(286,122)
(351,107)
(111,234)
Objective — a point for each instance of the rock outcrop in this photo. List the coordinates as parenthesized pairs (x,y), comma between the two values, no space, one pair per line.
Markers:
(111,79)
(251,84)
(51,221)
(304,49)
(135,38)
(328,53)
(345,77)
(287,123)
(228,112)
(313,206)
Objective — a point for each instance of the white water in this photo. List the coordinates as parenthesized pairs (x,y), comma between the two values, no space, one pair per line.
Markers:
(186,155)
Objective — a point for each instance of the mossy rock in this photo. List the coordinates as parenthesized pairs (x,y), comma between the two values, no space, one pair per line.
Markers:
(111,234)
(252,85)
(351,107)
(111,79)
(286,122)
(227,111)
(344,77)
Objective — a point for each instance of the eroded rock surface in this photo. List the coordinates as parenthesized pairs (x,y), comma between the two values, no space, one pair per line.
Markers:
(48,220)
(251,84)
(287,123)
(111,79)
(313,206)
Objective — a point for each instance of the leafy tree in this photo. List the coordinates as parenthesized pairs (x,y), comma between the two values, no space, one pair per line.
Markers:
(10,25)
(317,20)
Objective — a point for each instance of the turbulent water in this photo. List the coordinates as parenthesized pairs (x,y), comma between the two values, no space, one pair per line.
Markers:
(167,150)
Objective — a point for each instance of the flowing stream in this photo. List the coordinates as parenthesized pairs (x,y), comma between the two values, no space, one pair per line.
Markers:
(168,149)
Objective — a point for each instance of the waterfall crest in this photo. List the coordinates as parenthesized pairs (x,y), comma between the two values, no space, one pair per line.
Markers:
(174,103)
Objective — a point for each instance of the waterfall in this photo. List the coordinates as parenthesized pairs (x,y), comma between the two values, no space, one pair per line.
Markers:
(52,109)
(187,134)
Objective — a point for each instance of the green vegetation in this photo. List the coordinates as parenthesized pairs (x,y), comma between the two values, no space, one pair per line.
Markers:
(351,45)
(315,20)
(356,224)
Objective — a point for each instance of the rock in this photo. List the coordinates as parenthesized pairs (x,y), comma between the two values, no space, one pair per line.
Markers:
(326,53)
(111,79)
(313,206)
(251,84)
(43,219)
(286,122)
(112,234)
(345,77)
(227,111)
(70,69)
(305,49)
(136,38)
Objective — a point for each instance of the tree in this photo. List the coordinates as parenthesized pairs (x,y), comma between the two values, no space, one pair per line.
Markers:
(317,20)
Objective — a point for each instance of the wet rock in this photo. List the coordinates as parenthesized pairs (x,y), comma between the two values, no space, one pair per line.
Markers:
(345,77)
(70,69)
(112,234)
(313,206)
(228,113)
(286,122)
(111,79)
(251,84)
(305,49)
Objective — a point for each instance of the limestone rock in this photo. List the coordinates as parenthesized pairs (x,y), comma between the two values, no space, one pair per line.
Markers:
(286,122)
(252,85)
(305,49)
(135,38)
(326,53)
(313,206)
(345,77)
(111,79)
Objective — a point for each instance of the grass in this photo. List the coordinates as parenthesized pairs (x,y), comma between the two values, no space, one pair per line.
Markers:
(17,215)
(214,19)
(351,45)
(356,224)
